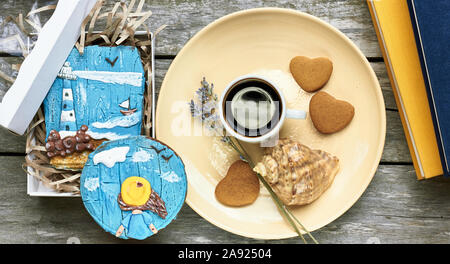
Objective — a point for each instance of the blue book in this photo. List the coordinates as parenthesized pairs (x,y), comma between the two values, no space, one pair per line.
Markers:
(431,24)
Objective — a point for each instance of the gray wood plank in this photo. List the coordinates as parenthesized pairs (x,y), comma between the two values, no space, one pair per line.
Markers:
(11,143)
(185,18)
(395,208)
(380,70)
(395,147)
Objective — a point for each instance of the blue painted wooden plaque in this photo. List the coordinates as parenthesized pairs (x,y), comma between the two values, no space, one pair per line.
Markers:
(115,161)
(102,89)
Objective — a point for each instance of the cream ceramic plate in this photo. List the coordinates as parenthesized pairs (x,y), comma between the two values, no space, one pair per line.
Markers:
(263,40)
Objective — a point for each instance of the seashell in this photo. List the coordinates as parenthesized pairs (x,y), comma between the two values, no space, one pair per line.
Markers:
(297,174)
(59,145)
(78,139)
(69,142)
(90,146)
(50,146)
(80,147)
(54,135)
(86,139)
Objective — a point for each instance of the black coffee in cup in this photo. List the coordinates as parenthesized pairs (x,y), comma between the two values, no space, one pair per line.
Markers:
(252,107)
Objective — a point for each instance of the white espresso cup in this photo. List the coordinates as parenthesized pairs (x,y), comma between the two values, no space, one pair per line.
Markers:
(253,109)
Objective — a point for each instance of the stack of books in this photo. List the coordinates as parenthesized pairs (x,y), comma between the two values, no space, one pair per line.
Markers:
(414,37)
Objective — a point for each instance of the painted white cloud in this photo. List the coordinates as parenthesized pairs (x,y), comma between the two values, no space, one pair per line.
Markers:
(95,135)
(111,156)
(170,176)
(107,135)
(142,156)
(91,184)
(121,121)
(83,93)
(131,78)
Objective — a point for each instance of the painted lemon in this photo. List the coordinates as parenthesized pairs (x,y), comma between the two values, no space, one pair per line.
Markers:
(135,191)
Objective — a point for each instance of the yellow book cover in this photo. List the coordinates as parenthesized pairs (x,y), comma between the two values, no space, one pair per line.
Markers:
(395,33)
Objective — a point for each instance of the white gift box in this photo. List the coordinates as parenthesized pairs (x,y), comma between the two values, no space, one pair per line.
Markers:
(39,70)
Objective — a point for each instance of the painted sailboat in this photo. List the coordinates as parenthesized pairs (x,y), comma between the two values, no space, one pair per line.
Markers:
(126,104)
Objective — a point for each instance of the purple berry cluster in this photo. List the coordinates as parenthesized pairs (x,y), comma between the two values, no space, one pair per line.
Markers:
(57,146)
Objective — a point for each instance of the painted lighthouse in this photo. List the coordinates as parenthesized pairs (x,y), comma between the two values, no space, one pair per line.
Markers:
(68,118)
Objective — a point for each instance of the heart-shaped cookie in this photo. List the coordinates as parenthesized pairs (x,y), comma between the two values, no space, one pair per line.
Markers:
(311,74)
(239,187)
(328,114)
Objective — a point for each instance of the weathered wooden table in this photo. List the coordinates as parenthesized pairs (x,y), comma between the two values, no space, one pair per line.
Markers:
(395,208)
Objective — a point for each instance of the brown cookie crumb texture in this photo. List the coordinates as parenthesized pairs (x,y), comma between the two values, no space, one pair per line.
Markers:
(311,74)
(328,114)
(239,187)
